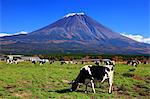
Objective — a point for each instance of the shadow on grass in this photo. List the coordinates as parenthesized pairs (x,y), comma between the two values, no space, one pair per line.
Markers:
(132,70)
(63,91)
(68,90)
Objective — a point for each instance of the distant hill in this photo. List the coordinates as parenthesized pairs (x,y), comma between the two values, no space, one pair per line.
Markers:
(74,33)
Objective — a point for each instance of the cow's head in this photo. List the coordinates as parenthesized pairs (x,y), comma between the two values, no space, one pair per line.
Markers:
(74,85)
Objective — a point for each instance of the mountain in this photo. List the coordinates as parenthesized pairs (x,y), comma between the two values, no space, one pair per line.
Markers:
(74,33)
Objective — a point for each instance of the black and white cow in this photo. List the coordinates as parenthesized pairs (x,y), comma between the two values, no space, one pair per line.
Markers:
(65,62)
(42,62)
(52,61)
(105,62)
(133,62)
(108,62)
(14,61)
(33,62)
(90,74)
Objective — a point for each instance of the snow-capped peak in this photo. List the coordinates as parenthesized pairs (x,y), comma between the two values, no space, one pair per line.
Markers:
(72,14)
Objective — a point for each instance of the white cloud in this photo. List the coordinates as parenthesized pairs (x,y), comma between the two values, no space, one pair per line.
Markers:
(4,34)
(7,34)
(138,38)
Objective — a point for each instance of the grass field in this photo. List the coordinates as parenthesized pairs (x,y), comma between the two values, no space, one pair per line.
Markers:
(26,80)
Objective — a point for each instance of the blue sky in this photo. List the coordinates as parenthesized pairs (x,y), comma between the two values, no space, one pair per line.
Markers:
(130,16)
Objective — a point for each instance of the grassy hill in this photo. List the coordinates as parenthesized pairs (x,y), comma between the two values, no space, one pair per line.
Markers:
(26,80)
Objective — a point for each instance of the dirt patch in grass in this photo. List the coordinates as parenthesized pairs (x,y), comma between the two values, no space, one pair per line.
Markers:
(138,77)
(128,74)
(22,95)
(142,90)
(49,85)
(24,82)
(120,90)
(147,79)
(10,88)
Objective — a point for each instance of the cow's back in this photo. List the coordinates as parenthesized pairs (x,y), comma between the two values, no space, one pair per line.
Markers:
(98,72)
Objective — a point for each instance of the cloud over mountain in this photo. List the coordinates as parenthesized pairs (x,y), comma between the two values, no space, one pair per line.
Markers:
(138,38)
(7,34)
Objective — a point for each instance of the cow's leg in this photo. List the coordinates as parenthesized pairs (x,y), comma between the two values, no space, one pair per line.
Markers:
(11,62)
(110,87)
(7,61)
(110,82)
(87,81)
(86,88)
(92,84)
(16,62)
(104,78)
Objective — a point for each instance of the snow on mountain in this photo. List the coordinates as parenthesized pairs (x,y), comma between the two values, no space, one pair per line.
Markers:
(21,32)
(72,14)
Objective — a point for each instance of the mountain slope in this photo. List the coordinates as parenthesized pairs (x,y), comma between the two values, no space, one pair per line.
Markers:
(74,33)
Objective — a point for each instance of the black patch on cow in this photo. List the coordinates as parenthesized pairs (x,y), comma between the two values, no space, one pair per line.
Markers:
(84,74)
(107,69)
(112,68)
(98,72)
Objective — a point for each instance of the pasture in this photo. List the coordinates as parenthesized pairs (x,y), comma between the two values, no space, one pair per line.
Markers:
(26,80)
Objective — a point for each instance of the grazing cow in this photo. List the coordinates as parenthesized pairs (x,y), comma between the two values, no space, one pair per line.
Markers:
(8,61)
(65,62)
(33,62)
(133,63)
(105,62)
(62,62)
(68,62)
(14,61)
(73,62)
(52,61)
(145,62)
(90,74)
(108,62)
(42,62)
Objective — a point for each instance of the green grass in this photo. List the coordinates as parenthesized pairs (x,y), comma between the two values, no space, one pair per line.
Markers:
(26,80)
